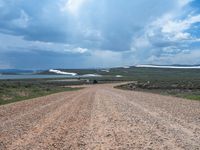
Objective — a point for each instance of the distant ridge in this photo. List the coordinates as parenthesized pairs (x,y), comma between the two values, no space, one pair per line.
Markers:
(170,66)
(94,72)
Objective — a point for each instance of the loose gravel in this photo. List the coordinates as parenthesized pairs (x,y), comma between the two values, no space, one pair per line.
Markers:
(101,117)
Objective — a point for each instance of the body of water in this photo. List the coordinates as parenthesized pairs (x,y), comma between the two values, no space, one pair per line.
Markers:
(30,76)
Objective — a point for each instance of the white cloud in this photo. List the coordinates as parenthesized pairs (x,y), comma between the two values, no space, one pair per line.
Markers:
(184,57)
(167,29)
(173,29)
(4,65)
(105,58)
(22,21)
(140,42)
(182,36)
(191,57)
(93,34)
(73,6)
(168,39)
(78,50)
(183,3)
(178,26)
(17,43)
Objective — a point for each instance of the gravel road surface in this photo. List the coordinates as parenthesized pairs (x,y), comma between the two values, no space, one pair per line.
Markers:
(101,117)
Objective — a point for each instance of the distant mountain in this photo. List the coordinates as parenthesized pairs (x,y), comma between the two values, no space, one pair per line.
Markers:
(186,65)
(176,66)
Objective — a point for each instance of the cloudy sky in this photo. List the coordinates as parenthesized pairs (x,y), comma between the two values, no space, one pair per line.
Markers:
(98,33)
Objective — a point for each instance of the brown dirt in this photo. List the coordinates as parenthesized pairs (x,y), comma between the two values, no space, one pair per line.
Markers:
(101,117)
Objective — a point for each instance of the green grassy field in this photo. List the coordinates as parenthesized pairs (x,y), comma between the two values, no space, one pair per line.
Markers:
(18,90)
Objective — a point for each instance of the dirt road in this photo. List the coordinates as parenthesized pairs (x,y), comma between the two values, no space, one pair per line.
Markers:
(101,117)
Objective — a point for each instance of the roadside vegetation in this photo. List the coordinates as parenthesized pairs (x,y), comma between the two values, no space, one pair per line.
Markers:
(13,91)
(183,89)
(18,90)
(183,83)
